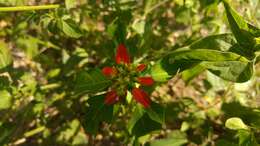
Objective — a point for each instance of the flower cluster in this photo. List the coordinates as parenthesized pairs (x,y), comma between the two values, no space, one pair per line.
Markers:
(124,76)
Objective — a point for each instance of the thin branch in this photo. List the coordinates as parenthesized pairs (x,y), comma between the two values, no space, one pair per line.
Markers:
(28,8)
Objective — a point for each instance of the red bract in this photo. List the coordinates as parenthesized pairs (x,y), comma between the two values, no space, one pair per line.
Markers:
(123,75)
(111,97)
(146,81)
(122,55)
(141,96)
(141,67)
(109,71)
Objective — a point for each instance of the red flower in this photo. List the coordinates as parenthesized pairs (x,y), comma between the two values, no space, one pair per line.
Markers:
(122,76)
(141,96)
(122,55)
(111,97)
(109,71)
(146,81)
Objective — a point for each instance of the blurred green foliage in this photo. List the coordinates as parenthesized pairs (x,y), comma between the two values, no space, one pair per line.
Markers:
(202,53)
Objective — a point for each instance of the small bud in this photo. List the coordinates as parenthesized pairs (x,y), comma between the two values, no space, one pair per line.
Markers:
(141,67)
(146,81)
(141,96)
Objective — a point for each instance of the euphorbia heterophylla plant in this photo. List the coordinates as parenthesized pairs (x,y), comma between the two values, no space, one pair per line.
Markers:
(56,91)
(126,76)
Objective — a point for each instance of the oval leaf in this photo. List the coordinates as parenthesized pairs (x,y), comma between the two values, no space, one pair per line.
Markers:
(235,123)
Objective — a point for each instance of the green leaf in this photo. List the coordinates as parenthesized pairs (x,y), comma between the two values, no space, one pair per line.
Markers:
(7,129)
(97,112)
(30,46)
(222,42)
(138,126)
(69,129)
(70,133)
(247,138)
(177,138)
(91,82)
(117,29)
(223,142)
(189,74)
(159,73)
(235,124)
(169,142)
(243,31)
(5,55)
(235,109)
(235,71)
(5,100)
(238,23)
(70,28)
(138,113)
(4,82)
(141,128)
(156,112)
(139,26)
(112,28)
(217,62)
(70,4)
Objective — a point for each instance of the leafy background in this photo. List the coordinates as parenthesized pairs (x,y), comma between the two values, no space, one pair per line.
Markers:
(46,57)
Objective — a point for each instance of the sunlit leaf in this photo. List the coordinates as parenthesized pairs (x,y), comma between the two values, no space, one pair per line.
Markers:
(5,100)
(244,32)
(217,62)
(177,138)
(70,28)
(235,124)
(5,55)
(70,3)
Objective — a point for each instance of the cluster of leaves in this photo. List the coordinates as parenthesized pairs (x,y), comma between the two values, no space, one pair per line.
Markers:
(52,89)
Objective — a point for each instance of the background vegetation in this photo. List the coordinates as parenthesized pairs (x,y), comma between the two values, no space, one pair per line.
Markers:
(215,101)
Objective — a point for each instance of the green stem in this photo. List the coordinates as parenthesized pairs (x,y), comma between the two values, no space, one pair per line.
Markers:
(50,86)
(28,8)
(34,131)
